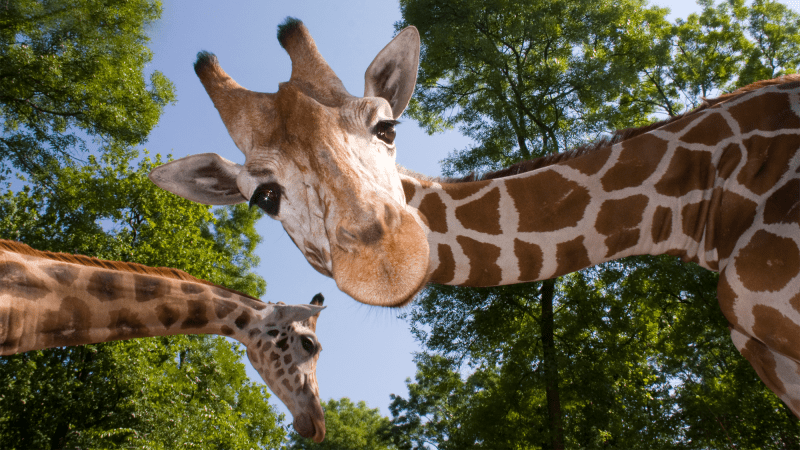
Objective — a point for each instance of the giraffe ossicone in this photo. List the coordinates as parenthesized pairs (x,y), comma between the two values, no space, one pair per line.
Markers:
(54,300)
(719,186)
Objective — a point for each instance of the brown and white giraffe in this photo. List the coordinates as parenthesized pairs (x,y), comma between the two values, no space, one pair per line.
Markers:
(55,299)
(719,186)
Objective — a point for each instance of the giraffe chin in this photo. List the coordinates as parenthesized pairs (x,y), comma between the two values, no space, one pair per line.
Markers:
(310,428)
(389,272)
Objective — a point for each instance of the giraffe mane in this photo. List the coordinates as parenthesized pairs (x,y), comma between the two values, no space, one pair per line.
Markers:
(88,261)
(615,138)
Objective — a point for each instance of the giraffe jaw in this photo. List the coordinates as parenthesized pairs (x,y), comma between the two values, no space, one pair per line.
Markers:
(311,426)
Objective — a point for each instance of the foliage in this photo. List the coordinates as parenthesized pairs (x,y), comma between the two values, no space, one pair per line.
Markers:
(72,70)
(642,355)
(154,393)
(349,426)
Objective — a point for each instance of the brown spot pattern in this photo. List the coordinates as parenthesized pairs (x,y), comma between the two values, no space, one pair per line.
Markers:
(222,308)
(783,206)
(680,124)
(591,163)
(105,286)
(730,216)
(282,344)
(777,331)
(638,160)
(750,116)
(571,256)
(224,293)
(287,359)
(191,288)
(460,191)
(688,170)
(167,315)
(694,219)
(619,220)
(729,161)
(197,315)
(435,211)
(408,189)
(446,270)
(547,201)
(226,330)
(767,160)
(764,363)
(530,259)
(243,320)
(68,325)
(287,385)
(126,324)
(712,130)
(483,268)
(727,299)
(149,288)
(483,214)
(661,229)
(17,281)
(258,305)
(63,274)
(767,262)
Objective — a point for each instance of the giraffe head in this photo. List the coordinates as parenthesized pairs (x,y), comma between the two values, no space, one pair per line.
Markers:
(322,162)
(284,350)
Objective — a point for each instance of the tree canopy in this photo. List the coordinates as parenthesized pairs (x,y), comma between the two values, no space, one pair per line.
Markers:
(629,354)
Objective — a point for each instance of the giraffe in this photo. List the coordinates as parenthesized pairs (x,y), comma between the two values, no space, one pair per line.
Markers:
(718,186)
(54,299)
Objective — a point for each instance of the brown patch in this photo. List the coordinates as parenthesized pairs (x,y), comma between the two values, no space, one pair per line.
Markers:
(546,201)
(694,217)
(222,292)
(226,330)
(292,370)
(688,170)
(712,130)
(69,325)
(729,217)
(727,299)
(767,160)
(279,373)
(783,206)
(287,359)
(679,123)
(619,220)
(483,214)
(12,327)
(638,159)
(408,189)
(63,274)
(126,324)
(274,356)
(287,385)
(149,288)
(17,281)
(768,262)
(662,224)
(795,302)
(197,315)
(222,308)
(267,345)
(590,163)
(167,315)
(254,303)
(752,113)
(243,320)
(571,256)
(192,288)
(446,270)
(729,161)
(282,344)
(460,191)
(530,259)
(483,268)
(435,212)
(777,331)
(106,286)
(763,362)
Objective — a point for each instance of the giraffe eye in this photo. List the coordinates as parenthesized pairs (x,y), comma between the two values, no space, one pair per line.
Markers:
(384,131)
(308,344)
(268,198)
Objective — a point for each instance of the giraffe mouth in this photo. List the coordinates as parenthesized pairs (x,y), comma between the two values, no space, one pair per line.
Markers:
(311,427)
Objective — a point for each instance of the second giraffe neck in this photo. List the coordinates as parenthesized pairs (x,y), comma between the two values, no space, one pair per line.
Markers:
(642,196)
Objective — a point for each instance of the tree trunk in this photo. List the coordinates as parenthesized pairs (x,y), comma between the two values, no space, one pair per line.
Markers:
(551,366)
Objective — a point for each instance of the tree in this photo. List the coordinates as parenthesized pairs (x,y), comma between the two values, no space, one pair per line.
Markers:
(153,393)
(599,358)
(72,70)
(349,426)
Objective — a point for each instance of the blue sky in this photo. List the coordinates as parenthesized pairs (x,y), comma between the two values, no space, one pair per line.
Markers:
(367,351)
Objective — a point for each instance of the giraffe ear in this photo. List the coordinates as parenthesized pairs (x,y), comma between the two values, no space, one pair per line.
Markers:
(205,178)
(393,73)
(299,313)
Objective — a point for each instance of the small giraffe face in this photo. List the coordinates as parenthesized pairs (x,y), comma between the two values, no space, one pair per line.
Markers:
(284,349)
(322,162)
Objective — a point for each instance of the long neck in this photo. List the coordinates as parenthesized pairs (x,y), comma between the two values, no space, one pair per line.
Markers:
(609,203)
(51,300)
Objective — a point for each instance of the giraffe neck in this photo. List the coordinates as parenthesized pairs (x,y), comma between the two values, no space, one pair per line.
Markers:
(51,300)
(671,190)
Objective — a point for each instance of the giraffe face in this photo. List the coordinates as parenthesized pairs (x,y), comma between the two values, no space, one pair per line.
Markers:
(322,162)
(284,349)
